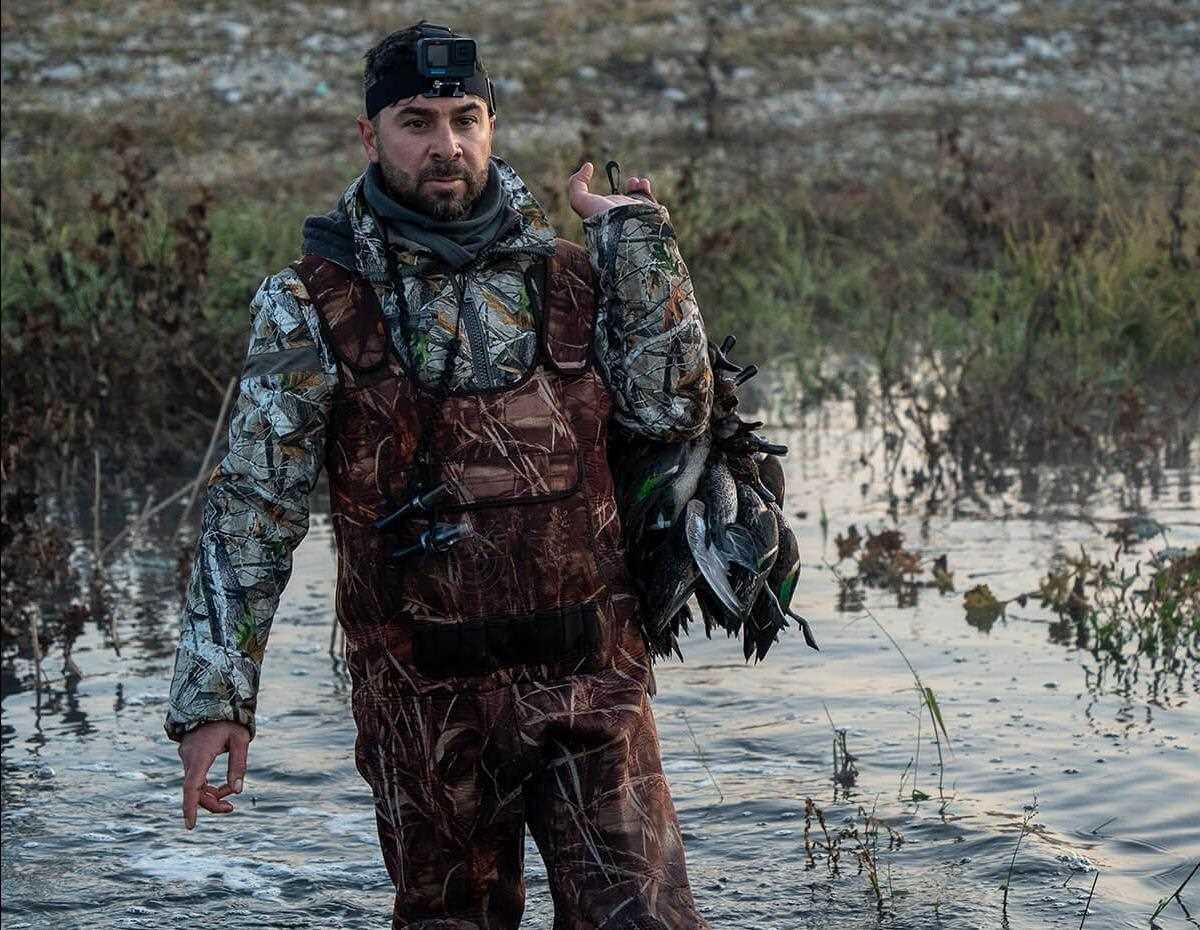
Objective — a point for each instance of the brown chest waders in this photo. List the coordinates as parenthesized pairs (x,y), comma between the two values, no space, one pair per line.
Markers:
(502,682)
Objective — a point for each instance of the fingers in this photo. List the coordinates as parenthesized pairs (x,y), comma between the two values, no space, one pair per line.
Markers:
(191,798)
(639,186)
(582,200)
(238,745)
(211,799)
(586,204)
(196,766)
(579,181)
(197,792)
(204,795)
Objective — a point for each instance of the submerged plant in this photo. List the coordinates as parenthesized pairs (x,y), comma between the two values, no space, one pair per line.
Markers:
(927,701)
(845,772)
(1117,611)
(883,561)
(1030,812)
(861,834)
(1151,611)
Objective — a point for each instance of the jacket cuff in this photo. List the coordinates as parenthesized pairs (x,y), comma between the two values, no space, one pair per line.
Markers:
(211,685)
(177,728)
(596,228)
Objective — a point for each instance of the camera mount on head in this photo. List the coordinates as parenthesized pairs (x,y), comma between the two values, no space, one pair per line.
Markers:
(441,65)
(446,61)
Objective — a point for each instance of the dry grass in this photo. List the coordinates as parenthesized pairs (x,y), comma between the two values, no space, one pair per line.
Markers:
(857,230)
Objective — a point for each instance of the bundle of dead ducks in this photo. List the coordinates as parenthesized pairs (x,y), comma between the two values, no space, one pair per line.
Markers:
(705,518)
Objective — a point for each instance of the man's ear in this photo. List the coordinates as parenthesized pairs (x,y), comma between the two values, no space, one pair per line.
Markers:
(366,132)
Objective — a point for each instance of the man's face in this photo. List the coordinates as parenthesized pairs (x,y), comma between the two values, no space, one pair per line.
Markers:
(432,151)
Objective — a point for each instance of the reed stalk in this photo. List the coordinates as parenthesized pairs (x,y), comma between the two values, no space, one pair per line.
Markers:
(207,460)
(1029,814)
(1095,878)
(37,650)
(928,700)
(1162,905)
(700,755)
(147,513)
(98,554)
(96,538)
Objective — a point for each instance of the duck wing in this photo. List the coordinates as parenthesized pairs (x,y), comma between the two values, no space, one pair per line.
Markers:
(713,564)
(763,625)
(786,570)
(672,580)
(719,493)
(762,533)
(770,472)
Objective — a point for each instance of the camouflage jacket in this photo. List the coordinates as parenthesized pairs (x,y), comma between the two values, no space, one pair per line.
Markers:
(649,343)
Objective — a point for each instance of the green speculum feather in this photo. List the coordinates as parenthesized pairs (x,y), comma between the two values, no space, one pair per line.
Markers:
(649,485)
(786,589)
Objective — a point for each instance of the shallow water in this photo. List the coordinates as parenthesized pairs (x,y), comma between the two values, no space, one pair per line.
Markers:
(92,833)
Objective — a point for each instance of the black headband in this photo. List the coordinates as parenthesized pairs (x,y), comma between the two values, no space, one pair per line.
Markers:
(402,84)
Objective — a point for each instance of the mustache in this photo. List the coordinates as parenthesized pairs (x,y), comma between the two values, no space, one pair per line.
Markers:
(444,172)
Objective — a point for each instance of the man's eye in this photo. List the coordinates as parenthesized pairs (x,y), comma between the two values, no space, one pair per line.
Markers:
(414,124)
(468,120)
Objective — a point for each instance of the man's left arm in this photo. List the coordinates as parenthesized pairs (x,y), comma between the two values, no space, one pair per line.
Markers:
(649,339)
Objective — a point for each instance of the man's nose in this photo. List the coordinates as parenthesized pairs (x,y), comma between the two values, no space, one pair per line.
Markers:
(445,143)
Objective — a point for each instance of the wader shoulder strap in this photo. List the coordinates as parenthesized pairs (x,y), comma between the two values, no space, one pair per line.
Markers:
(353,319)
(349,311)
(570,308)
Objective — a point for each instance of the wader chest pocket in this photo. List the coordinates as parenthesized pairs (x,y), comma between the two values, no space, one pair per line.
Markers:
(522,478)
(479,647)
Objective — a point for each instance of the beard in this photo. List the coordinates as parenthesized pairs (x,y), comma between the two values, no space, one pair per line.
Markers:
(441,204)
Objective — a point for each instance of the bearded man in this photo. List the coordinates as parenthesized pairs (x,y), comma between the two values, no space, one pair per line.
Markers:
(456,369)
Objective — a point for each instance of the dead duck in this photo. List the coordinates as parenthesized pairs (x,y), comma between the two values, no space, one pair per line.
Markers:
(704,518)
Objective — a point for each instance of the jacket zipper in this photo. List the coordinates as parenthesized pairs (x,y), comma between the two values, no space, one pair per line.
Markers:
(481,364)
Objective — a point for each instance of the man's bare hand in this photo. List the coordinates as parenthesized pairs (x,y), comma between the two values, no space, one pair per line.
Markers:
(586,204)
(199,750)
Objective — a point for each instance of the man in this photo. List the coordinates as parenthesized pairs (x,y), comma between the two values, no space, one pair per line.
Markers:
(456,368)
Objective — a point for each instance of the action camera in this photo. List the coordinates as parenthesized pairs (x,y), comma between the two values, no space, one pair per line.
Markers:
(446,59)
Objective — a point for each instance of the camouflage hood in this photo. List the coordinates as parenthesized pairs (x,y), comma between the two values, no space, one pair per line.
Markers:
(351,235)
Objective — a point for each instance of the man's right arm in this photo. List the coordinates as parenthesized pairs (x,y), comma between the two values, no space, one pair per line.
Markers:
(256,511)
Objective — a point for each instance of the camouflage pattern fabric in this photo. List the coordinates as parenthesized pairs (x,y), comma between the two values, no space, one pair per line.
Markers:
(457,777)
(528,477)
(648,345)
(649,334)
(459,763)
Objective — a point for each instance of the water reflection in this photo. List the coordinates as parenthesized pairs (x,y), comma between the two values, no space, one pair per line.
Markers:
(1028,711)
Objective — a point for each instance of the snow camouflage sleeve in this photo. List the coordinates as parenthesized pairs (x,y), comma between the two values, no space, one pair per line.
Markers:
(650,339)
(256,511)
